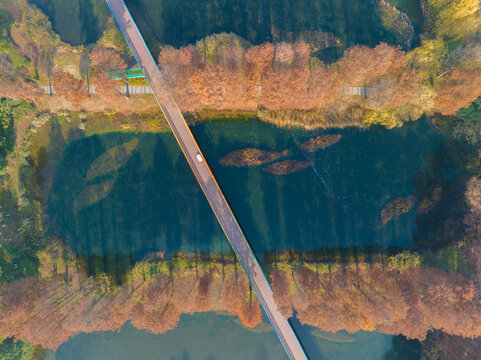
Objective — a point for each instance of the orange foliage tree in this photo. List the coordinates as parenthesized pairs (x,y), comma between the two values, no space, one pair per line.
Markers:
(366,297)
(107,88)
(13,84)
(458,89)
(68,87)
(362,65)
(406,88)
(104,59)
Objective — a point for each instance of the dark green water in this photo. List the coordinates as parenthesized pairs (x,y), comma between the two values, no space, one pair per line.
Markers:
(182,22)
(77,22)
(214,337)
(154,203)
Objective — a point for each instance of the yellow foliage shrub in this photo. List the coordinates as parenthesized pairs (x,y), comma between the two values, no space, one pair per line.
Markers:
(405,260)
(387,117)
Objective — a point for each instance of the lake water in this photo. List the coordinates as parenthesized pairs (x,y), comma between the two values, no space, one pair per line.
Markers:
(210,336)
(153,202)
(183,22)
(77,22)
(118,196)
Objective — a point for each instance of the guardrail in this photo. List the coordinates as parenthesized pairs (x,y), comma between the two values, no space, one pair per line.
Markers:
(133,89)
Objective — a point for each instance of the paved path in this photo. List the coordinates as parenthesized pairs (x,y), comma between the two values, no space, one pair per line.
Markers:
(133,89)
(206,180)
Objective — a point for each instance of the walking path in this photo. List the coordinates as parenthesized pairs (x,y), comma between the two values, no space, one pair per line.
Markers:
(206,180)
(133,89)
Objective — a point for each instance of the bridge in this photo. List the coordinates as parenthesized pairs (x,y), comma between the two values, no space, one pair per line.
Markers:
(206,180)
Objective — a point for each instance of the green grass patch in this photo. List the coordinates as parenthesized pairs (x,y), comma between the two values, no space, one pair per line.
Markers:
(472,113)
(6,46)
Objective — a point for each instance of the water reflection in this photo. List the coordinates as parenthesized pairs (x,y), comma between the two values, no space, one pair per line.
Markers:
(197,337)
(147,200)
(227,340)
(135,201)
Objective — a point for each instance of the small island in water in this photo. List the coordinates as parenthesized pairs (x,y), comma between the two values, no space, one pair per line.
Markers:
(286,167)
(251,157)
(397,207)
(427,203)
(320,142)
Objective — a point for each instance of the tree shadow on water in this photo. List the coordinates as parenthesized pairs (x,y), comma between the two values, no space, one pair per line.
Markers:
(447,168)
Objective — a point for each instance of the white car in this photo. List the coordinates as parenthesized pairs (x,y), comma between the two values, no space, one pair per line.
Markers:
(199,157)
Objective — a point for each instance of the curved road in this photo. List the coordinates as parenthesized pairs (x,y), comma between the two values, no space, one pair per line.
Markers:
(206,180)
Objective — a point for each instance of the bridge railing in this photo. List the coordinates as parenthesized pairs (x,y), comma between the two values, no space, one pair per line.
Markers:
(129,74)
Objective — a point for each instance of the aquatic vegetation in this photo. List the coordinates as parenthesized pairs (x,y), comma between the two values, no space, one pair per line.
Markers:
(320,142)
(427,203)
(92,194)
(286,167)
(292,81)
(251,157)
(396,208)
(112,159)
(395,19)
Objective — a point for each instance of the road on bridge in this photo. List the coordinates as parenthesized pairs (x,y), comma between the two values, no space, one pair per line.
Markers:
(206,180)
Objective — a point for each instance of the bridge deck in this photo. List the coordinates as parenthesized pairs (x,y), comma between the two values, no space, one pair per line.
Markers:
(206,180)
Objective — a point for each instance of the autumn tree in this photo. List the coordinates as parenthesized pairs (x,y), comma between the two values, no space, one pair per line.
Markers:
(14,83)
(427,59)
(260,57)
(232,58)
(457,90)
(188,57)
(107,88)
(202,298)
(406,89)
(104,59)
(234,293)
(284,54)
(70,88)
(168,61)
(456,18)
(362,65)
(405,260)
(177,67)
(282,295)
(250,311)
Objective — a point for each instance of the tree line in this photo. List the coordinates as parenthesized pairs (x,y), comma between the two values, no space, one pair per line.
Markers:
(284,82)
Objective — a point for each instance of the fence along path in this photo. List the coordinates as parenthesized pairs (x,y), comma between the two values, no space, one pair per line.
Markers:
(206,180)
(133,89)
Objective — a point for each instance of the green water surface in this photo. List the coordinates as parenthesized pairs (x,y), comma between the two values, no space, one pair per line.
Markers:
(153,202)
(183,22)
(209,336)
